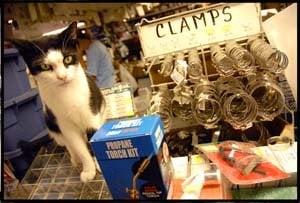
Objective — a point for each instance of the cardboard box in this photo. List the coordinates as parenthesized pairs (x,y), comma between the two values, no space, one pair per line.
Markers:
(134,158)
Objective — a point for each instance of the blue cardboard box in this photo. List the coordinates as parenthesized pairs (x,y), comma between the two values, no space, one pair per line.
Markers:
(134,158)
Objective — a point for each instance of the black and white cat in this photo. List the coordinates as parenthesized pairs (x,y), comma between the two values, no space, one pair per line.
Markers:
(73,104)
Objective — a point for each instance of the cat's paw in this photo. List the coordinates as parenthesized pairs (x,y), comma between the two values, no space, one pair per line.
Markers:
(75,162)
(86,176)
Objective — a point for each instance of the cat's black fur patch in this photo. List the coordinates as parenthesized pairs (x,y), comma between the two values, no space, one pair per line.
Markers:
(96,97)
(51,121)
(90,132)
(33,50)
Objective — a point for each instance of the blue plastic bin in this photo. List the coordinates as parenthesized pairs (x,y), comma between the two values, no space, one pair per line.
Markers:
(16,81)
(21,164)
(23,120)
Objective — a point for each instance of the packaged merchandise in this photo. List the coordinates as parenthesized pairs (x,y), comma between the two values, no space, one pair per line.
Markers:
(134,158)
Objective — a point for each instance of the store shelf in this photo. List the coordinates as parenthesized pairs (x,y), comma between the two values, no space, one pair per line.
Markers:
(179,124)
(23,120)
(148,16)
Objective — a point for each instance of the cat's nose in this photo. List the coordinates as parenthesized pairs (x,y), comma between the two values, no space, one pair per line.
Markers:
(62,77)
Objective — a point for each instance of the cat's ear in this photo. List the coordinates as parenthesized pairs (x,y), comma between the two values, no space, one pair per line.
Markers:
(22,45)
(18,43)
(70,32)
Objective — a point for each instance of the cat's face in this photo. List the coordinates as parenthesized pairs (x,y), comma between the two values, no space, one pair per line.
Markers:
(52,60)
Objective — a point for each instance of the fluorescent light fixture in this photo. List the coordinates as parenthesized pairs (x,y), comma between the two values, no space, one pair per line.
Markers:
(79,25)
(266,11)
(55,31)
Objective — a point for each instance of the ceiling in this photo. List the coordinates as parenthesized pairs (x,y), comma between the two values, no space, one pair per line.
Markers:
(36,18)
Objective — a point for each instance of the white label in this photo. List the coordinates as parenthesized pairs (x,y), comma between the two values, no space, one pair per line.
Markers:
(231,153)
(287,158)
(199,27)
(180,71)
(128,124)
(235,146)
(114,132)
(202,105)
(177,77)
(118,102)
(158,136)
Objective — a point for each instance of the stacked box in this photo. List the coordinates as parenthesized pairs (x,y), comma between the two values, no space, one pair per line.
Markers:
(23,120)
(134,158)
(23,114)
(15,77)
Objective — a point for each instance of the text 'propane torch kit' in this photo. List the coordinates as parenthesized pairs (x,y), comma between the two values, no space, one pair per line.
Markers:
(133,158)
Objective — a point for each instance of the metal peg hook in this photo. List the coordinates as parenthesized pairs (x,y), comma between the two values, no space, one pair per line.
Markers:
(150,66)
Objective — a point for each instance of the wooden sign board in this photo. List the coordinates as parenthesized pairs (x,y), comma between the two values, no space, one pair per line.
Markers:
(199,27)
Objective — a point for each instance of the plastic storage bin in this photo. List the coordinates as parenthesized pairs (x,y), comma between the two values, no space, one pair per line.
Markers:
(23,120)
(15,77)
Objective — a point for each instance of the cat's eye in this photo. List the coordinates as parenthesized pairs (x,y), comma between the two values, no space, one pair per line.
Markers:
(68,60)
(45,66)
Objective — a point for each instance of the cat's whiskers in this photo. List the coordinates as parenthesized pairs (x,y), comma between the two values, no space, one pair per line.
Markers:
(48,84)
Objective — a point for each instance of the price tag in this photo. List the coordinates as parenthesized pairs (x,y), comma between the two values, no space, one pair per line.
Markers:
(287,158)
(231,153)
(201,105)
(119,102)
(180,71)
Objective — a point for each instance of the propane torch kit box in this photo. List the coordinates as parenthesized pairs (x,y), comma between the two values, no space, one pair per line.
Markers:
(134,158)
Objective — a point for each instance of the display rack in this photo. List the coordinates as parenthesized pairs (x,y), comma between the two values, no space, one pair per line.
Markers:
(153,57)
(210,72)
(153,61)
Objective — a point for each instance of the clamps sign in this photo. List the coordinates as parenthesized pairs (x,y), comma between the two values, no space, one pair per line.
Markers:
(199,27)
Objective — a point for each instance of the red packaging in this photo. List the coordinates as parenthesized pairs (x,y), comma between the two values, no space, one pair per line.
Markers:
(235,176)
